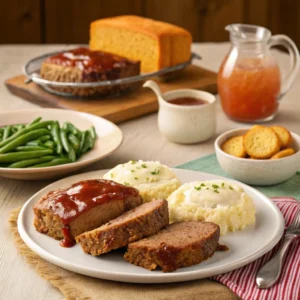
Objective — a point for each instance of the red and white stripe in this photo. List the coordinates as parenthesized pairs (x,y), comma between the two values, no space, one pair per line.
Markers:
(242,281)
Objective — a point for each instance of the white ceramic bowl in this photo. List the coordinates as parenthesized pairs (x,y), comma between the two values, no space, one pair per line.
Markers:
(109,138)
(255,171)
(187,124)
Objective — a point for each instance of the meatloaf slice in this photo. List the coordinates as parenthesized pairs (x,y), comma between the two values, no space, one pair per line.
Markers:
(83,206)
(85,65)
(179,245)
(133,225)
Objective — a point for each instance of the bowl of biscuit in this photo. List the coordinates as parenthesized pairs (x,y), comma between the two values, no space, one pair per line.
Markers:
(260,155)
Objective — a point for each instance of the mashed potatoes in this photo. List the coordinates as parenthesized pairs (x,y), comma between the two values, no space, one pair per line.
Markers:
(152,179)
(216,201)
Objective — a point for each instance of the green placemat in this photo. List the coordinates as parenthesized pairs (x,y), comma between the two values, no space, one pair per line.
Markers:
(209,164)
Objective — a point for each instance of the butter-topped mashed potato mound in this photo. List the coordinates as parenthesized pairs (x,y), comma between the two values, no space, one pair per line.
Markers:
(151,178)
(156,44)
(221,202)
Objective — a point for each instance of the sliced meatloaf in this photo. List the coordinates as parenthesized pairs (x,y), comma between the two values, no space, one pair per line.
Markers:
(84,65)
(133,225)
(179,245)
(83,206)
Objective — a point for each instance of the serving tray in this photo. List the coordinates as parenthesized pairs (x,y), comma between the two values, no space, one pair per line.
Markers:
(115,108)
(32,72)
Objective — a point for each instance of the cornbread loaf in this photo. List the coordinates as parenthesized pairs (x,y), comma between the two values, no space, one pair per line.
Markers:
(284,135)
(84,65)
(261,142)
(133,225)
(156,44)
(283,153)
(234,146)
(83,206)
(178,245)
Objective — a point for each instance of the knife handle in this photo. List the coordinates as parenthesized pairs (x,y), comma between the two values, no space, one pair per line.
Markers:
(270,272)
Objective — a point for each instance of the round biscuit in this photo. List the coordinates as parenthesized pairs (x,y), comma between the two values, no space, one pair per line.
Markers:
(283,153)
(284,135)
(261,142)
(234,146)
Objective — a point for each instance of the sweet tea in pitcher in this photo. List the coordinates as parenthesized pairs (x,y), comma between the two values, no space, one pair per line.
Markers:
(249,81)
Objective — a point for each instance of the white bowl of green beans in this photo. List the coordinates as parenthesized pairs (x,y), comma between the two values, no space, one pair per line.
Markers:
(40,144)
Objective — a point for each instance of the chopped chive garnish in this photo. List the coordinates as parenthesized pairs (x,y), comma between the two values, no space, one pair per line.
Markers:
(231,187)
(144,166)
(216,191)
(136,178)
(132,171)
(223,184)
(112,175)
(126,183)
(198,188)
(155,172)
(133,162)
(207,188)
(215,186)
(202,184)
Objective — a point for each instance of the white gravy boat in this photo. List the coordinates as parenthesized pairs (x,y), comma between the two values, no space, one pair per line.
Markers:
(185,124)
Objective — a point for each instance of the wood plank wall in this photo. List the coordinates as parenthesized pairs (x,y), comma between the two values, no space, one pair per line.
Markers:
(67,21)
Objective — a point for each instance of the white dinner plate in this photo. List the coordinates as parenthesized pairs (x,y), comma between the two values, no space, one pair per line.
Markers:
(245,246)
(109,138)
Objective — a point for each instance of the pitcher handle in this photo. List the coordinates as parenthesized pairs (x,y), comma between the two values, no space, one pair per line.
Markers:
(285,41)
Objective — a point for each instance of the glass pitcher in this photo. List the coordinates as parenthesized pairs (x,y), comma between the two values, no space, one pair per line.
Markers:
(249,81)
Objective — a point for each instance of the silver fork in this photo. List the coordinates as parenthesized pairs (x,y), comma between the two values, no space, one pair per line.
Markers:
(270,272)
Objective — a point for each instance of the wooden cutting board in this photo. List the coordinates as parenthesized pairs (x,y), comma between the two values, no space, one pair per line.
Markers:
(115,109)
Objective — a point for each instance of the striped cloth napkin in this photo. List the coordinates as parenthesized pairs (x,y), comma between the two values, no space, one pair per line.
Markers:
(242,281)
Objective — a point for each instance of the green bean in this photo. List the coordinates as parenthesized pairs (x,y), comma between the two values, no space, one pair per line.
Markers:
(29,148)
(69,149)
(7,132)
(1,129)
(69,127)
(74,141)
(54,162)
(55,132)
(29,162)
(44,138)
(88,142)
(37,120)
(35,143)
(17,156)
(82,143)
(19,127)
(30,128)
(93,132)
(23,139)
(49,144)
(93,137)
(14,129)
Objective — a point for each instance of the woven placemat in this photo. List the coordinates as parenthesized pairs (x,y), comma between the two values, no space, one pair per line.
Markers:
(80,287)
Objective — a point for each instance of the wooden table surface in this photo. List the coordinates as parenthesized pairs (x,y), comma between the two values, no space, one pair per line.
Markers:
(142,140)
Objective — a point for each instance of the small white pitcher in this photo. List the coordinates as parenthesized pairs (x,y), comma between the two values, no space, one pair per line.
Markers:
(186,124)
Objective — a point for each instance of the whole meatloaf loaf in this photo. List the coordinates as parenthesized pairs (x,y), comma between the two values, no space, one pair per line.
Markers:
(179,245)
(133,225)
(85,205)
(84,65)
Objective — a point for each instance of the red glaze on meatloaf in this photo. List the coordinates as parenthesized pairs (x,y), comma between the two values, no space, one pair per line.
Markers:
(85,65)
(85,205)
